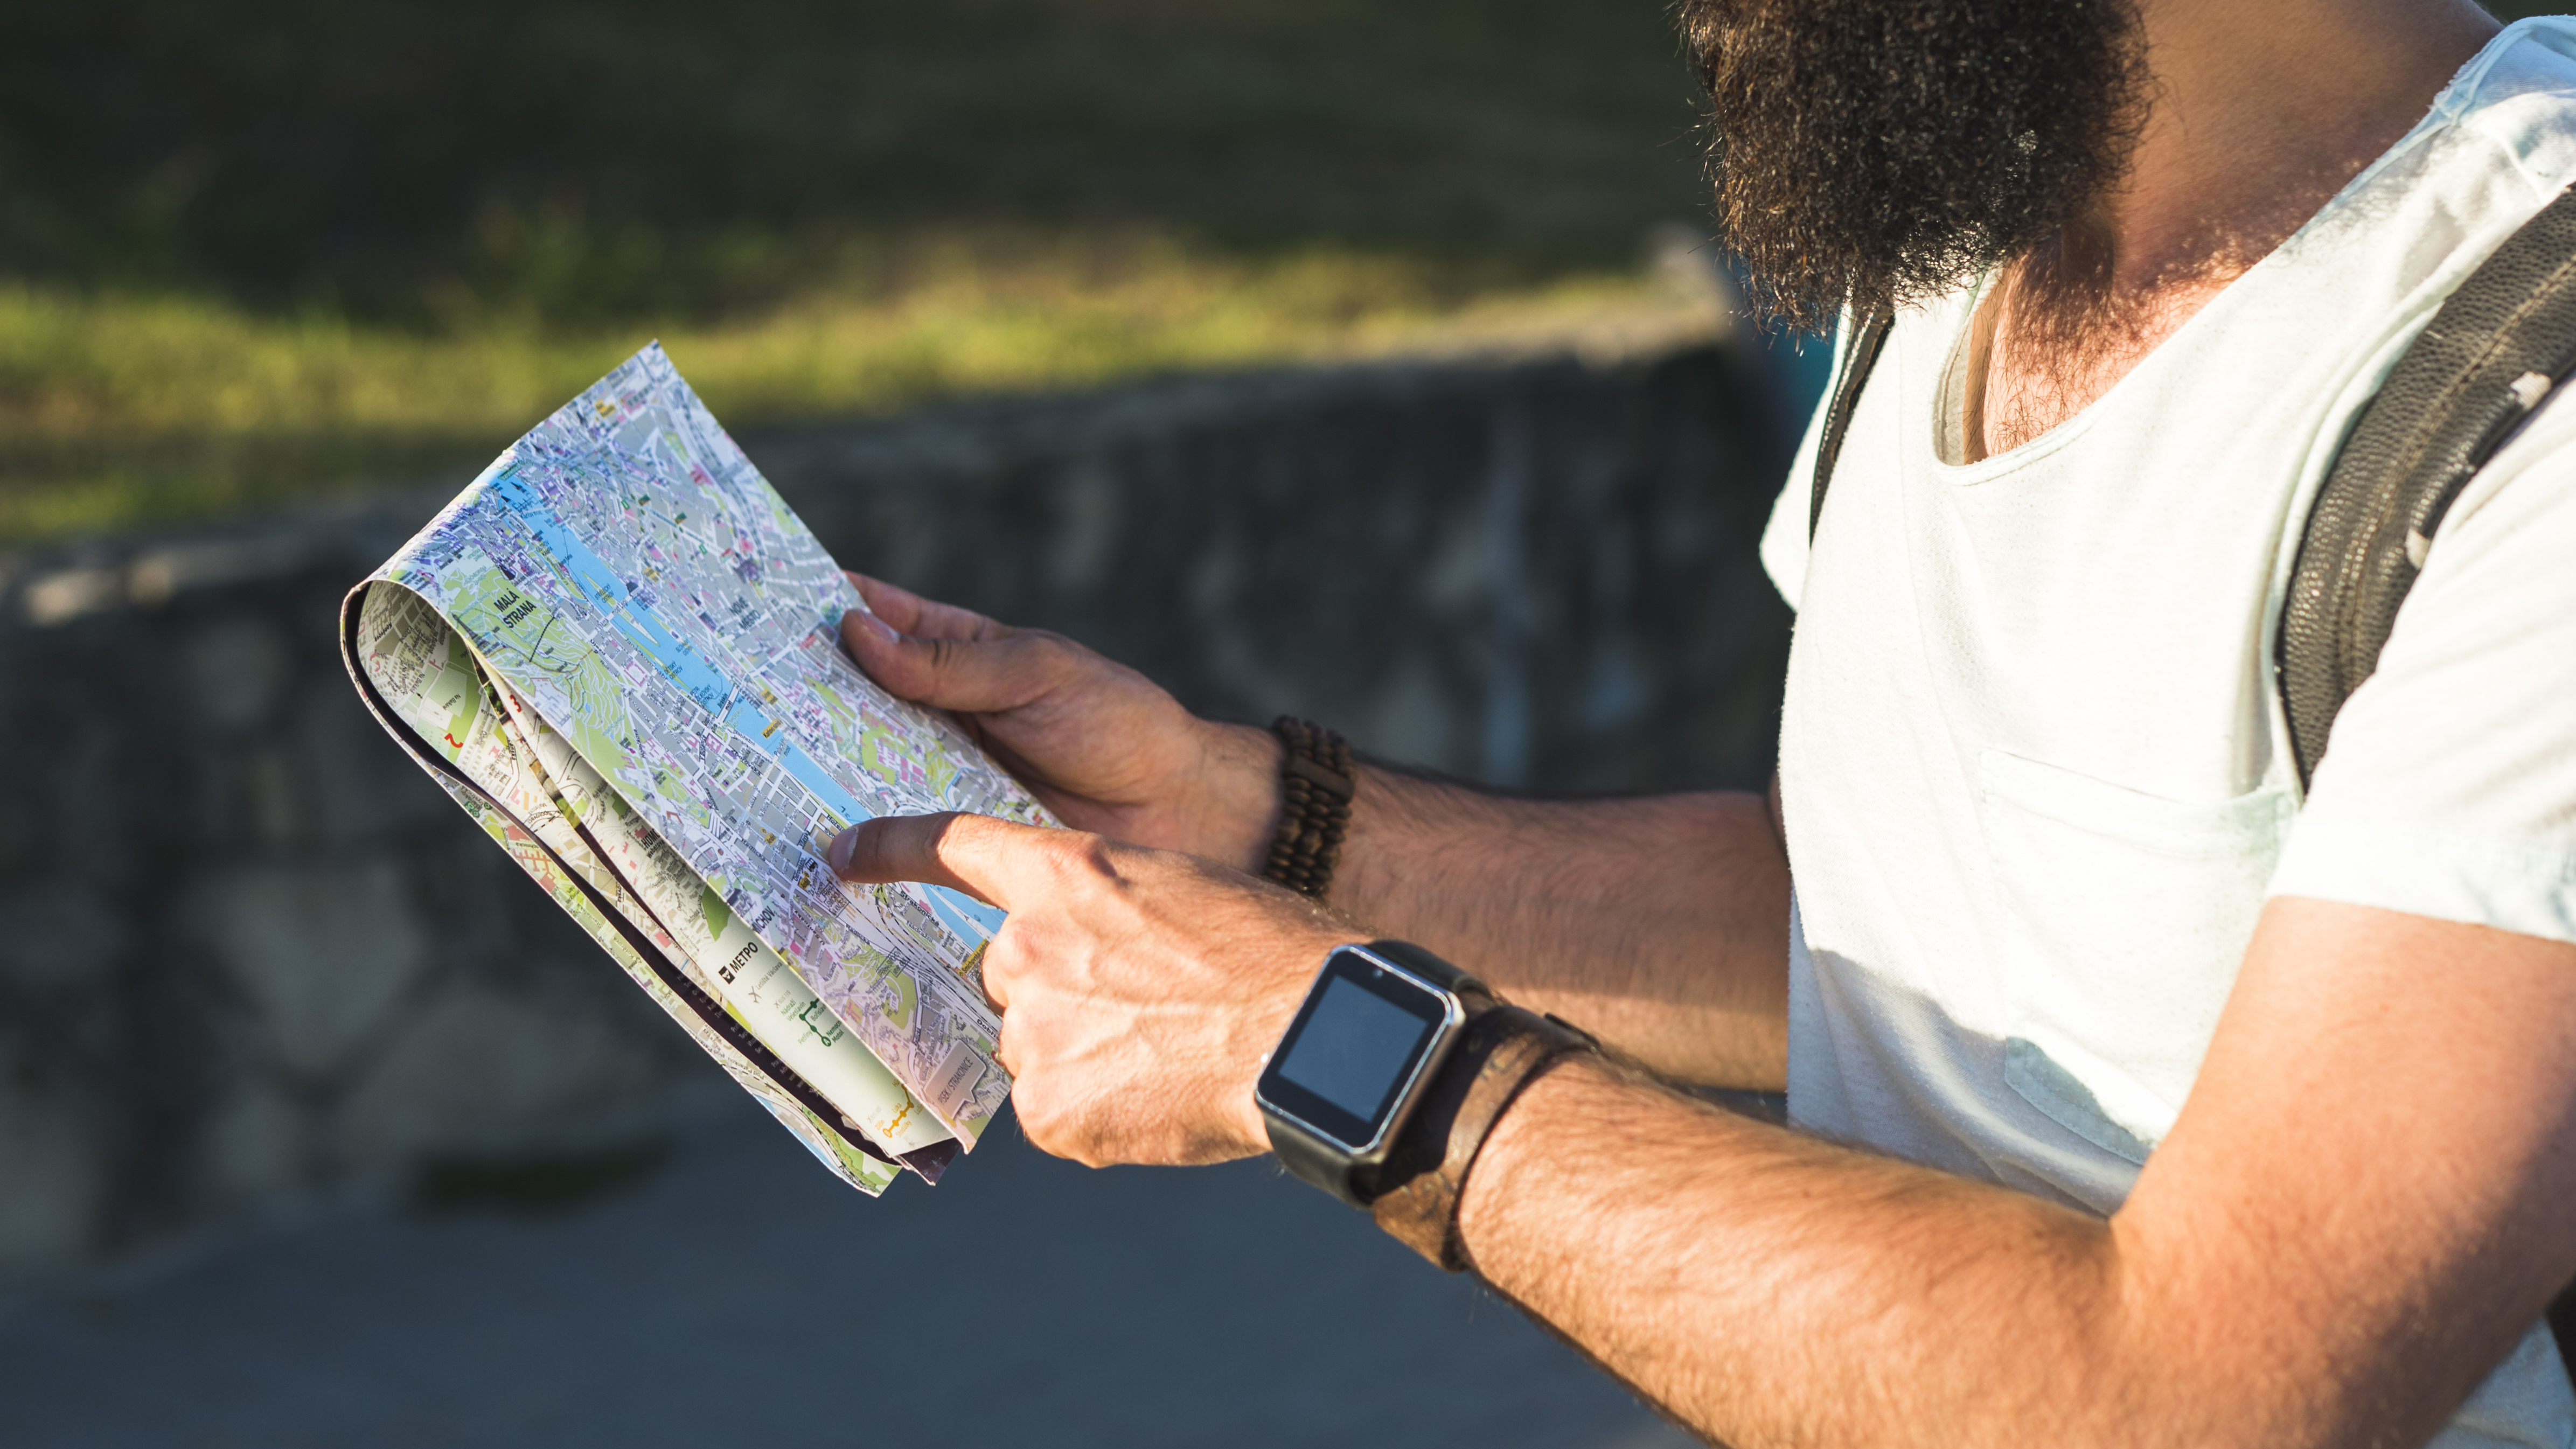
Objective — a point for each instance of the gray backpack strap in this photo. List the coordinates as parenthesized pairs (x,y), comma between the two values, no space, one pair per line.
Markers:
(2498,346)
(1868,339)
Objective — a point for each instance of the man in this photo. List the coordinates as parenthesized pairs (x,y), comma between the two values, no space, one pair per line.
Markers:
(2135,1097)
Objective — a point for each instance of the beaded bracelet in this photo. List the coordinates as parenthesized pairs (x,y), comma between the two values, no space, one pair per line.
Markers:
(1316,782)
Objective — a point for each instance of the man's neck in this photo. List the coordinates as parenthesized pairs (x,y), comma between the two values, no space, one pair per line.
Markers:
(2258,115)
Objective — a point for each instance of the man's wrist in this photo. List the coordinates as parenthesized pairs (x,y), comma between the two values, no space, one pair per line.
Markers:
(1531,1131)
(1239,809)
(1502,1051)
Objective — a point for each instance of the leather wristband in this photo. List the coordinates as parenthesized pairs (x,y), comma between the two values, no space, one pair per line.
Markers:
(1501,1050)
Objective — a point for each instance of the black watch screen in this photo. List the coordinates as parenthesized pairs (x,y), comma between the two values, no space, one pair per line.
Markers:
(1365,1032)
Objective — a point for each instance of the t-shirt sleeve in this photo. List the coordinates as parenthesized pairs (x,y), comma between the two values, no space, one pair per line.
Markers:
(2448,788)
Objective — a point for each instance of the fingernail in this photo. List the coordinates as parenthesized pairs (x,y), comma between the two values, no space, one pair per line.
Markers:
(884,631)
(837,854)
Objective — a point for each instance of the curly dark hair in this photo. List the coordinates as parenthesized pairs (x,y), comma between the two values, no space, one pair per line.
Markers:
(1878,152)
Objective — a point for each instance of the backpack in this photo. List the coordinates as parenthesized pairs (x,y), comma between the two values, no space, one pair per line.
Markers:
(2497,347)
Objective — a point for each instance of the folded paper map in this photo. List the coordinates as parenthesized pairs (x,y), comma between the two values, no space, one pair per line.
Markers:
(619,651)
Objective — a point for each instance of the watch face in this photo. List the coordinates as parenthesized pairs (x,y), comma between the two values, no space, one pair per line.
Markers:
(1359,1039)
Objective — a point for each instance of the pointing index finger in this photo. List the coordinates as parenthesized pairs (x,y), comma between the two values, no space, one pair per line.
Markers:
(977,854)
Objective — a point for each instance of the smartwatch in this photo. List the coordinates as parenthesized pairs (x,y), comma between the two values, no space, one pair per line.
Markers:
(1357,1058)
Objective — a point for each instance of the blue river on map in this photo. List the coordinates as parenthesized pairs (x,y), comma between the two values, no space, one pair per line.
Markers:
(952,904)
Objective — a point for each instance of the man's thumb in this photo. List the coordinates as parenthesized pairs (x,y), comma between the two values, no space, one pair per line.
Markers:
(973,675)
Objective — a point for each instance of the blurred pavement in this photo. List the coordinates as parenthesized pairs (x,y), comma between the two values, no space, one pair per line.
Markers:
(739,1296)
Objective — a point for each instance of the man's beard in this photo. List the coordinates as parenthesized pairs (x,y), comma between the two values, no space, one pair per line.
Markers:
(1878,152)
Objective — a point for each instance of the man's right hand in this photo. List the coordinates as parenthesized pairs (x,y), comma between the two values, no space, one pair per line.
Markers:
(1105,748)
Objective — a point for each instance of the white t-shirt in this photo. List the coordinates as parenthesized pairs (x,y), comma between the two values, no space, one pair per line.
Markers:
(2036,780)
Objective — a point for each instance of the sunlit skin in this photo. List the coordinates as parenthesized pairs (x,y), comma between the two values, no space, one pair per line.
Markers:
(2359,1212)
(2261,114)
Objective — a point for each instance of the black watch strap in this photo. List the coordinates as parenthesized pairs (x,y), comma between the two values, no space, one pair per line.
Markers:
(1430,968)
(1315,1160)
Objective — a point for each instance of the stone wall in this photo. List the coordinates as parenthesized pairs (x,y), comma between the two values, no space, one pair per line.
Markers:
(251,956)
(1540,576)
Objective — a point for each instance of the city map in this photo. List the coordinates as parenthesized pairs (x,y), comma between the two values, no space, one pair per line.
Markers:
(626,645)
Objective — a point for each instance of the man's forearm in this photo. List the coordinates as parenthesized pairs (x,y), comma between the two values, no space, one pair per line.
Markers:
(1771,1288)
(2275,1290)
(1659,923)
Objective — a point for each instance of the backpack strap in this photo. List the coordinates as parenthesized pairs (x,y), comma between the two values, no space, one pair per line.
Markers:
(2497,347)
(1868,339)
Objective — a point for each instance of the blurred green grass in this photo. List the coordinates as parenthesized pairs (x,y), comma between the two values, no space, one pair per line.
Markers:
(117,409)
(258,252)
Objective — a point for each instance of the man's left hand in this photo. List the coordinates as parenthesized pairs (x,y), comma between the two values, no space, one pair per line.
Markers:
(1140,990)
